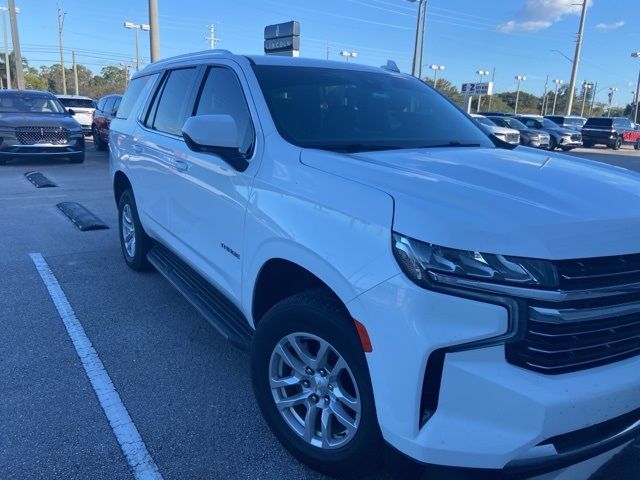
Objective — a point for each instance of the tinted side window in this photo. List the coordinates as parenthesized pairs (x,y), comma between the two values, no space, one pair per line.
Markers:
(101,103)
(116,105)
(134,91)
(222,95)
(171,109)
(108,105)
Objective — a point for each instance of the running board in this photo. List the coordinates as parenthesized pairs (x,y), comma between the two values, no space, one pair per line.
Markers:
(213,305)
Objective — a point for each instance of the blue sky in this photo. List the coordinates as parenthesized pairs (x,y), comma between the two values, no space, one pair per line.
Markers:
(514,36)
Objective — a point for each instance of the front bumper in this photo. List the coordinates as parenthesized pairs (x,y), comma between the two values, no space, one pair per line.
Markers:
(10,147)
(490,414)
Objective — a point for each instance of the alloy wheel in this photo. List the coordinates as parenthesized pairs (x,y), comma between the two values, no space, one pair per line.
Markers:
(128,231)
(315,390)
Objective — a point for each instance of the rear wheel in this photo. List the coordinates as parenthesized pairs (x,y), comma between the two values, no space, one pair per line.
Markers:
(97,139)
(134,241)
(311,381)
(637,145)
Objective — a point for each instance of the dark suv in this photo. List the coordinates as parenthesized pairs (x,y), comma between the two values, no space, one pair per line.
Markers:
(610,131)
(35,123)
(105,112)
(568,121)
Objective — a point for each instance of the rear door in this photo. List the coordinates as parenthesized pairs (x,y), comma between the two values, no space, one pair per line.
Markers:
(104,119)
(158,149)
(208,215)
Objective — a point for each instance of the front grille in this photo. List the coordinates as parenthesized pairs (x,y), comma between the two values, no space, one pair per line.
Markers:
(597,329)
(38,135)
(576,137)
(513,137)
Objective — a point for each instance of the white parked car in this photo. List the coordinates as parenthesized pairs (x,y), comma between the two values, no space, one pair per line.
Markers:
(397,275)
(509,135)
(83,108)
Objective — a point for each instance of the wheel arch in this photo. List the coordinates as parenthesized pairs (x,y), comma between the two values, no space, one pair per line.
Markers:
(120,184)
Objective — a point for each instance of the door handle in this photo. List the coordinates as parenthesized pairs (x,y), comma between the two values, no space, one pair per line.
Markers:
(136,148)
(180,165)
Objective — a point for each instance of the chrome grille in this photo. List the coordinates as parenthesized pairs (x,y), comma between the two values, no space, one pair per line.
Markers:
(38,135)
(601,327)
(513,137)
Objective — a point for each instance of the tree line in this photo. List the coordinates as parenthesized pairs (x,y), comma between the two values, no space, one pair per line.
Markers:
(111,79)
(529,103)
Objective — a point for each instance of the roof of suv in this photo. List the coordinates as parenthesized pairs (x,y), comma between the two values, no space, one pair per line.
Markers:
(275,60)
(74,97)
(30,92)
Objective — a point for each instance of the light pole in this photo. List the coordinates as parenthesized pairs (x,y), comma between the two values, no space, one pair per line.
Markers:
(519,78)
(4,11)
(612,90)
(555,95)
(154,25)
(346,54)
(435,69)
(418,47)
(482,73)
(637,96)
(586,86)
(137,28)
(576,58)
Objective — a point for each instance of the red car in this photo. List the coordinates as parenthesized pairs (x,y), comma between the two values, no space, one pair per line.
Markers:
(105,111)
(611,131)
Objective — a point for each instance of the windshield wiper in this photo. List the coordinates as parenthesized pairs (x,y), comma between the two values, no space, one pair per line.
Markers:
(451,144)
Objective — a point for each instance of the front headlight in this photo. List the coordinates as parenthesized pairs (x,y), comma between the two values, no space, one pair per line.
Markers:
(422,262)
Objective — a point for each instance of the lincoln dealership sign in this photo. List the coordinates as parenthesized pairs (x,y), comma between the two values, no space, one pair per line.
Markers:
(282,39)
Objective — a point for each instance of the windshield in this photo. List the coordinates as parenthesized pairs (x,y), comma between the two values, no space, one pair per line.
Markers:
(546,123)
(352,110)
(485,121)
(29,103)
(509,123)
(78,102)
(574,122)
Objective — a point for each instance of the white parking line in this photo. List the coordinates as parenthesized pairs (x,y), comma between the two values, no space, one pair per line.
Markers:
(134,449)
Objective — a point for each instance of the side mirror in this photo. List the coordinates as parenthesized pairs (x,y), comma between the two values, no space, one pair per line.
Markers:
(217,134)
(71,111)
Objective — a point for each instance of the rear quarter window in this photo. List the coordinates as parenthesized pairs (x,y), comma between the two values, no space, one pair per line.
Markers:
(139,87)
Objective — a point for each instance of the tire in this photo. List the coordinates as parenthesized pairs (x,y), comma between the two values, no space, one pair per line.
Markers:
(77,157)
(617,144)
(97,140)
(552,143)
(312,318)
(135,253)
(637,145)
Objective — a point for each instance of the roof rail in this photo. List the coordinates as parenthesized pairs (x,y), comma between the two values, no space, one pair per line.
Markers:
(391,66)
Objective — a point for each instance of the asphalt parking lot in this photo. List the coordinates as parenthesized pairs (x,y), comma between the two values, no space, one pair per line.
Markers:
(187,391)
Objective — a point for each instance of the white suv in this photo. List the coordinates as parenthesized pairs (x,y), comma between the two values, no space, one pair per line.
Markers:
(399,276)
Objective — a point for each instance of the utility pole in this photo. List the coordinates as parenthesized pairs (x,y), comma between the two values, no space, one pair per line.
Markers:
(576,58)
(75,72)
(212,36)
(593,97)
(60,25)
(635,115)
(6,45)
(493,78)
(155,30)
(16,45)
(555,95)
(544,98)
(418,47)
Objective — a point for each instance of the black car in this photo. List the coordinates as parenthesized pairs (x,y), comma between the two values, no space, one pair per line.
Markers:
(33,122)
(528,136)
(572,122)
(610,131)
(560,137)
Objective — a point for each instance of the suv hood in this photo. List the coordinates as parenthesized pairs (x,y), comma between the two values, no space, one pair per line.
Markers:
(13,120)
(520,202)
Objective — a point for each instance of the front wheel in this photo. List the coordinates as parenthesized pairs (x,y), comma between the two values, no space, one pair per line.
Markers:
(617,144)
(134,241)
(311,381)
(637,145)
(98,143)
(77,157)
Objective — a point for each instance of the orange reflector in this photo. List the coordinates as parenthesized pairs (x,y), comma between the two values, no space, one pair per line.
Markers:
(364,336)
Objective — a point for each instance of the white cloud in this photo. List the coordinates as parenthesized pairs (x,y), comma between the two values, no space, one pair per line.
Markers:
(609,26)
(540,14)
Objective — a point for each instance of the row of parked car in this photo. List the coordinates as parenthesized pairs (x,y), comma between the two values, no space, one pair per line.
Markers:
(564,132)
